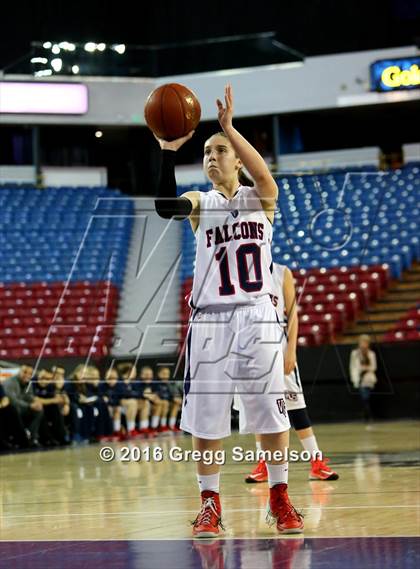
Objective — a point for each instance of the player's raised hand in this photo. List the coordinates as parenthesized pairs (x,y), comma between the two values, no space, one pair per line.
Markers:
(225,112)
(173,144)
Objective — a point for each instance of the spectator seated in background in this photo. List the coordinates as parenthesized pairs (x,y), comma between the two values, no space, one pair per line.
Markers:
(52,431)
(103,421)
(19,390)
(111,394)
(149,391)
(170,393)
(132,401)
(12,433)
(60,389)
(91,420)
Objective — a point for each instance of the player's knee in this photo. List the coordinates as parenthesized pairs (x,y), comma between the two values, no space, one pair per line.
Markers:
(299,419)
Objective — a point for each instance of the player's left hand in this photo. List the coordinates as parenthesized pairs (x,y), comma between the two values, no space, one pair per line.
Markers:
(173,144)
(225,113)
(289,361)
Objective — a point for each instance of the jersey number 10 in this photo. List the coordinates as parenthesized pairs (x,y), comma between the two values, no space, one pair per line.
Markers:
(242,253)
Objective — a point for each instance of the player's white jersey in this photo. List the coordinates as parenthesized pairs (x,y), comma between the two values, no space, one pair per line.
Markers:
(233,255)
(278,296)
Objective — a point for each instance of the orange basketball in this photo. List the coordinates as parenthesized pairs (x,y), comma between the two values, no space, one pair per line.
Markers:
(171,111)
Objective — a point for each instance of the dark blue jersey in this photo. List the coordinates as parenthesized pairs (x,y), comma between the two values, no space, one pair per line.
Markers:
(111,392)
(147,388)
(128,390)
(45,391)
(164,390)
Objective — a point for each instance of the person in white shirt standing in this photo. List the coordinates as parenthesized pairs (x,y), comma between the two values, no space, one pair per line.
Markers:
(363,373)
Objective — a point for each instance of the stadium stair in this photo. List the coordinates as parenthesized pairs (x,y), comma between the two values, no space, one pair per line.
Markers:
(382,317)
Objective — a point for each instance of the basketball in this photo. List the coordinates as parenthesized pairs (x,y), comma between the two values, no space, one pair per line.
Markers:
(172,111)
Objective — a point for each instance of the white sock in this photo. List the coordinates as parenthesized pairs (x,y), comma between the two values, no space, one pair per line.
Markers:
(172,421)
(311,445)
(144,424)
(155,421)
(131,425)
(277,474)
(209,482)
(117,425)
(163,421)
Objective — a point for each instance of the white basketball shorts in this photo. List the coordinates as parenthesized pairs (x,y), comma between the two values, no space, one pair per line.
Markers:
(228,349)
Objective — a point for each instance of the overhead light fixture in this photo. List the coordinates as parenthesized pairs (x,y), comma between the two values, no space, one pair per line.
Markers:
(43,73)
(67,46)
(90,46)
(43,60)
(99,134)
(101,46)
(55,49)
(75,69)
(119,48)
(47,45)
(57,64)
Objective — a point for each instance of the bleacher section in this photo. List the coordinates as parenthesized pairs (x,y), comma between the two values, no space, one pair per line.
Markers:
(407,328)
(344,236)
(63,256)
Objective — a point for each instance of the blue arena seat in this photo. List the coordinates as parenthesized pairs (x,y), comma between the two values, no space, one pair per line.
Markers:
(63,236)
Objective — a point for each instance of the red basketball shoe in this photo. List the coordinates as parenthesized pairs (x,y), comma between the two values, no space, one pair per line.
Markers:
(151,433)
(134,434)
(321,471)
(208,521)
(259,474)
(281,511)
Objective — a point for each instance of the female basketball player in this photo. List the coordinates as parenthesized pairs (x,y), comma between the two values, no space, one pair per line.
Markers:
(284,300)
(233,340)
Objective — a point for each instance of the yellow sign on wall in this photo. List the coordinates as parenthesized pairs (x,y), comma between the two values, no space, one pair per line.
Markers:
(393,76)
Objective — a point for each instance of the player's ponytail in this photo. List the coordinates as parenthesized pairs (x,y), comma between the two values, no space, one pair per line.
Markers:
(244,180)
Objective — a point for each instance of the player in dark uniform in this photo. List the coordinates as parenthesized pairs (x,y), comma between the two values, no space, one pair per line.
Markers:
(110,391)
(170,393)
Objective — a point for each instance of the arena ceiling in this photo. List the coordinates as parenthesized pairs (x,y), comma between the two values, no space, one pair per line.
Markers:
(170,37)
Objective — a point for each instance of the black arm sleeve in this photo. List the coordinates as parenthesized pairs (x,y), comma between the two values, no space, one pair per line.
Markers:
(166,203)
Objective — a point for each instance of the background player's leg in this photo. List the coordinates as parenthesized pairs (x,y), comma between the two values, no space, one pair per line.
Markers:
(164,410)
(144,412)
(116,420)
(301,422)
(156,414)
(173,414)
(260,473)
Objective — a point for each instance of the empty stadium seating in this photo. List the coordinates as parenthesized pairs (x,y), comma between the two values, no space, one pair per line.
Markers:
(407,328)
(344,236)
(63,254)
